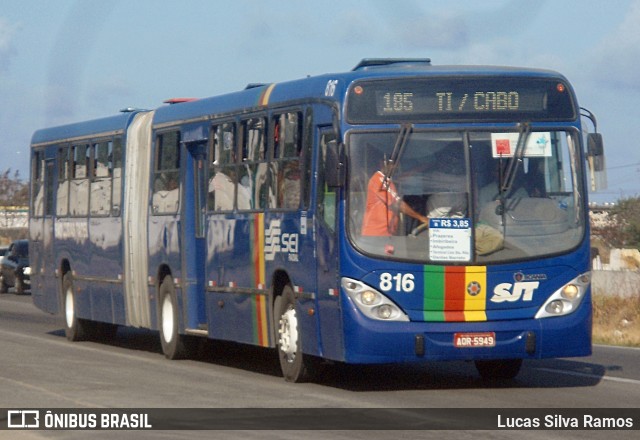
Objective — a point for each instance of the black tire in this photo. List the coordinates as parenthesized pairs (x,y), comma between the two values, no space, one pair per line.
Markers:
(3,285)
(174,345)
(75,329)
(106,332)
(503,369)
(295,366)
(20,288)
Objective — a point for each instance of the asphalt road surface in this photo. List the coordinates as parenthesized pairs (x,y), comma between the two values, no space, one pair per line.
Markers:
(39,368)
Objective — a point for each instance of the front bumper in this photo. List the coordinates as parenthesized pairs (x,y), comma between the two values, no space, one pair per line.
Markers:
(369,341)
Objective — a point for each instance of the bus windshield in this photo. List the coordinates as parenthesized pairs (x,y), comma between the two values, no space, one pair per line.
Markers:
(490,196)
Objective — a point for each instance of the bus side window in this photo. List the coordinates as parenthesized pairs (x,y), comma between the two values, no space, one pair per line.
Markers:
(326,196)
(166,187)
(101,179)
(37,184)
(116,167)
(48,186)
(287,155)
(222,169)
(307,148)
(79,183)
(62,192)
(253,176)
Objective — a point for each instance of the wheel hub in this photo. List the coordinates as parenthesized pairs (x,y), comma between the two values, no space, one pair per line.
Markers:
(167,319)
(69,312)
(288,332)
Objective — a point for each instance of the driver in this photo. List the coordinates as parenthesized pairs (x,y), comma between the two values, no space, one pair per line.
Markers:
(383,204)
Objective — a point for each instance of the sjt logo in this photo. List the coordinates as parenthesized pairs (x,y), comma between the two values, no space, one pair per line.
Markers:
(507,292)
(276,241)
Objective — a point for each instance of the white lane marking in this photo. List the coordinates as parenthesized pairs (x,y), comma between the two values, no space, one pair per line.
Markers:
(591,376)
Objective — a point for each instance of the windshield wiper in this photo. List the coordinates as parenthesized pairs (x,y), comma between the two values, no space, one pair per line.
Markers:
(508,177)
(506,180)
(398,149)
(391,165)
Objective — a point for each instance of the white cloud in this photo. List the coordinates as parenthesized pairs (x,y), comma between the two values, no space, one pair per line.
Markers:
(449,30)
(436,30)
(7,50)
(406,28)
(617,57)
(112,93)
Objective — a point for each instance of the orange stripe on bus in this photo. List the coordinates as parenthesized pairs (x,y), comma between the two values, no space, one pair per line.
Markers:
(264,98)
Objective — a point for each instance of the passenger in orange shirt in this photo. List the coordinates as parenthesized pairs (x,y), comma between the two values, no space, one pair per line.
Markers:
(383,203)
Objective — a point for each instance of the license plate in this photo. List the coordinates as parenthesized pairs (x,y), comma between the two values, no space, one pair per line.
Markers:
(471,340)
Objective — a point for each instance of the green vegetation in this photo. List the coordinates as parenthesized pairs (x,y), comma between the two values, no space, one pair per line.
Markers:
(13,191)
(627,214)
(623,228)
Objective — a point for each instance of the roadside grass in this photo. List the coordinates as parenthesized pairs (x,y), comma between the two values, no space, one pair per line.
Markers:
(616,320)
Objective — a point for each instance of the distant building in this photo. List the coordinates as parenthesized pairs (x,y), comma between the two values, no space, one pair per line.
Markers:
(14,217)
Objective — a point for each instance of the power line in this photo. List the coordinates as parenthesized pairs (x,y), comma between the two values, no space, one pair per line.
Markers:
(624,166)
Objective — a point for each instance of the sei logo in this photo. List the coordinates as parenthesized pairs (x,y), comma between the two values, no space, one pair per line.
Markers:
(276,241)
(507,292)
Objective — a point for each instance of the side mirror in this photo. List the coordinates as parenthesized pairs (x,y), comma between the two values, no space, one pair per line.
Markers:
(335,167)
(595,145)
(596,162)
(595,151)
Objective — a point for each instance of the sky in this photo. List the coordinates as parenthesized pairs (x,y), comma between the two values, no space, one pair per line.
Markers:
(71,60)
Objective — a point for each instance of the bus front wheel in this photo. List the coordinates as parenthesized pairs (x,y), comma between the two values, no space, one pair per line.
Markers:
(503,369)
(295,366)
(173,343)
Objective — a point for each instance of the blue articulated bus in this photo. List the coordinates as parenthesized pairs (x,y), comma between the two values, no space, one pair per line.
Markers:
(399,212)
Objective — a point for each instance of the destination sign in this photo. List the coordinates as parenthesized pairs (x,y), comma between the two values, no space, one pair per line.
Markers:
(443,99)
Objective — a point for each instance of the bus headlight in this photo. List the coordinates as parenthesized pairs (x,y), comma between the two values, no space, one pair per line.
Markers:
(384,311)
(369,298)
(372,303)
(570,292)
(566,299)
(555,307)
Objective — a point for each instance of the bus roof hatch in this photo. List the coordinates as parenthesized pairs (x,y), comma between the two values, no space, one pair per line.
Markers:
(382,62)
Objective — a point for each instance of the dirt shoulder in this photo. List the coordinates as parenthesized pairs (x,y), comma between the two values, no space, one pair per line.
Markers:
(616,320)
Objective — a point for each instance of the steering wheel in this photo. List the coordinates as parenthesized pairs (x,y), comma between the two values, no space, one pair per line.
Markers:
(419,229)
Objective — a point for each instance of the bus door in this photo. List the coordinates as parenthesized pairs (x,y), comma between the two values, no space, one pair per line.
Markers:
(326,218)
(194,255)
(41,230)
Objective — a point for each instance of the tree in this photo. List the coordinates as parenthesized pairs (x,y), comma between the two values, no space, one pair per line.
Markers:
(13,191)
(624,232)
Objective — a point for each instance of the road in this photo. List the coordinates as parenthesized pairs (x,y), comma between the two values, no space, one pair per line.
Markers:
(39,368)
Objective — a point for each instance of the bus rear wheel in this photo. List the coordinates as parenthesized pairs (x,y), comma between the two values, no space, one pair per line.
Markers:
(502,369)
(20,287)
(173,343)
(295,366)
(75,329)
(4,287)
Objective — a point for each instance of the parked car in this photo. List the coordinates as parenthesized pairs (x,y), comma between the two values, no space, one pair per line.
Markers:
(14,269)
